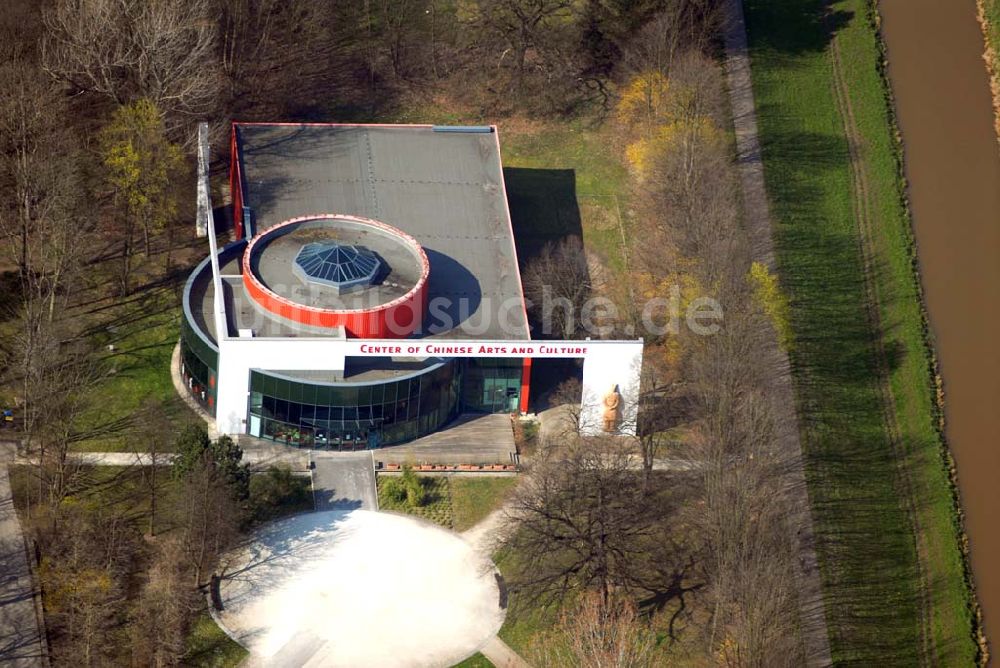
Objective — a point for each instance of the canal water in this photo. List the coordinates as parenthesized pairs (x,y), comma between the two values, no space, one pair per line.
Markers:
(953,165)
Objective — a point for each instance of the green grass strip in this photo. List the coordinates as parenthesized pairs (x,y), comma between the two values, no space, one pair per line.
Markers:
(875,595)
(209,647)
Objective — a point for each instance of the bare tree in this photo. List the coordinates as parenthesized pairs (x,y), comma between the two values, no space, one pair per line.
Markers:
(688,202)
(159,617)
(65,395)
(681,27)
(210,515)
(141,167)
(262,41)
(557,285)
(599,634)
(83,574)
(521,27)
(151,436)
(401,31)
(37,168)
(580,519)
(689,220)
(163,50)
(749,558)
(247,28)
(664,405)
(44,229)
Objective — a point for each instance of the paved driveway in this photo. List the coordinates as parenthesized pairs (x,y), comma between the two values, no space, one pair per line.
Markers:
(344,481)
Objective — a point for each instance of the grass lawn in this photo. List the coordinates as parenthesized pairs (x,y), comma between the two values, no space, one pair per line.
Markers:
(123,488)
(477,660)
(144,336)
(472,499)
(521,631)
(452,502)
(881,601)
(567,179)
(524,625)
(209,647)
(143,329)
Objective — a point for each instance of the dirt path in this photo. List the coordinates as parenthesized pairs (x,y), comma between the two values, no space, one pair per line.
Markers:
(757,218)
(486,535)
(862,205)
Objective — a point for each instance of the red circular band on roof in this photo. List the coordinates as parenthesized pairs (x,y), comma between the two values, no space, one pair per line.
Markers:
(395,319)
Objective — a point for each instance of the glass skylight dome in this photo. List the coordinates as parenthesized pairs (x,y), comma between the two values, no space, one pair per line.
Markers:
(340,266)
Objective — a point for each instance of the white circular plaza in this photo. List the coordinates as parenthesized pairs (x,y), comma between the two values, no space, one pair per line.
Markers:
(358,589)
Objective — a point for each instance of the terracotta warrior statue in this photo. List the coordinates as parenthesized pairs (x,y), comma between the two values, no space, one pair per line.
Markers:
(612,401)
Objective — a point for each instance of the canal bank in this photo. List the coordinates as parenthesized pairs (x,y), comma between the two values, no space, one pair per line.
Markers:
(952,165)
(894,577)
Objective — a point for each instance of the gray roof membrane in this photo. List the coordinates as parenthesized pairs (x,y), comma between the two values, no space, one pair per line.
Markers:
(443,188)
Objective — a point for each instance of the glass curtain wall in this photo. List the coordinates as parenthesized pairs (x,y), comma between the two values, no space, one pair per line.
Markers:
(198,367)
(492,385)
(352,416)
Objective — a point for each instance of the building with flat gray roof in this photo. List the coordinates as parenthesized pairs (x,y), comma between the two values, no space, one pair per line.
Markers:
(442,187)
(427,208)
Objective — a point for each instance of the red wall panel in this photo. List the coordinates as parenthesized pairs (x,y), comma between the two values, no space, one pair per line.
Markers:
(235,184)
(395,320)
(525,384)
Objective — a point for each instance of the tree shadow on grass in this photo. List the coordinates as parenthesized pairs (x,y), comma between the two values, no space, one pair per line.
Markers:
(820,258)
(864,535)
(793,27)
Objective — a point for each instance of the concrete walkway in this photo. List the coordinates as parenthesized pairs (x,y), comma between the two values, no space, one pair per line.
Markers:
(22,643)
(555,423)
(344,481)
(485,537)
(297,460)
(757,217)
(501,655)
(470,439)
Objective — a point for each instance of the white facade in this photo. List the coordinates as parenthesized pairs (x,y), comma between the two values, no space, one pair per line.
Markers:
(606,365)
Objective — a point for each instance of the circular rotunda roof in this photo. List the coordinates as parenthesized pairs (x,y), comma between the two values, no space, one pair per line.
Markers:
(356,273)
